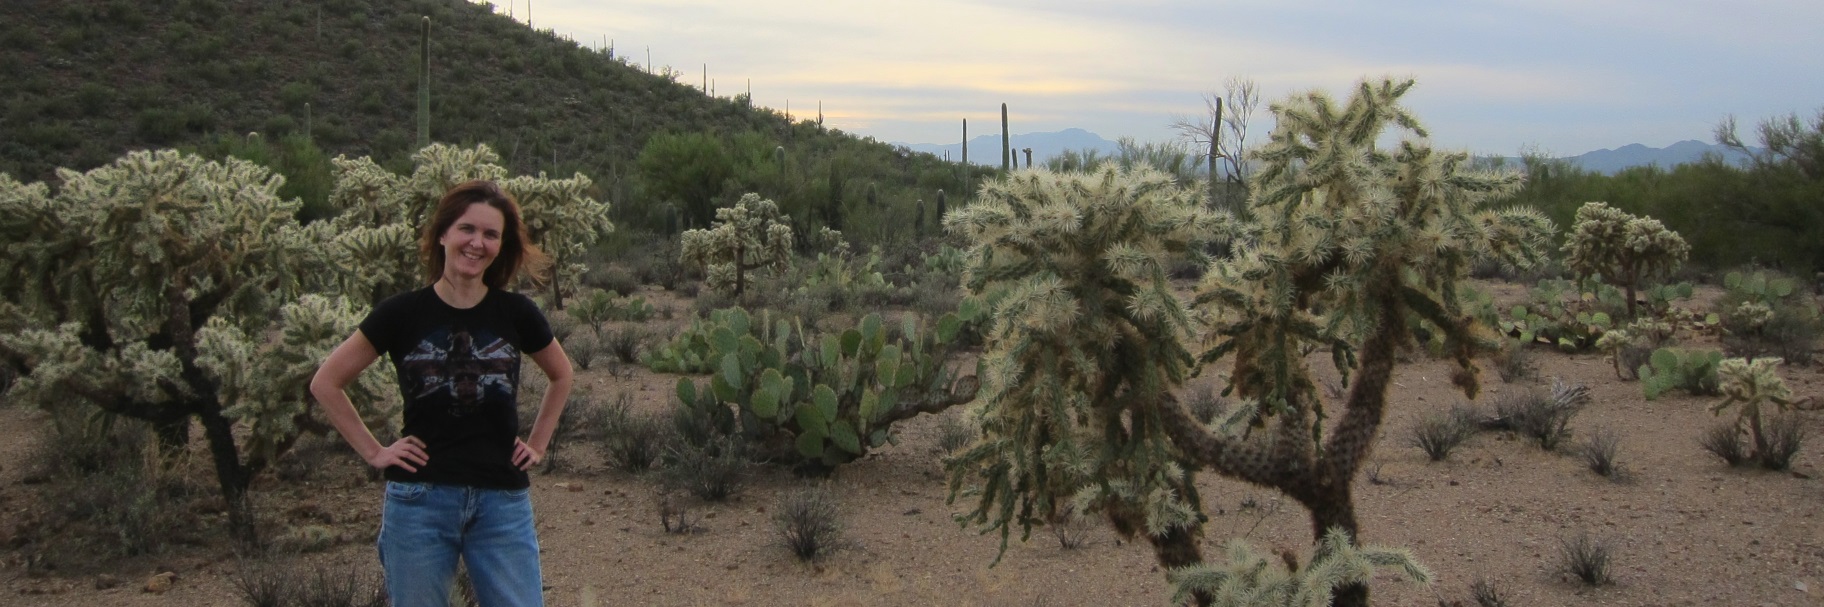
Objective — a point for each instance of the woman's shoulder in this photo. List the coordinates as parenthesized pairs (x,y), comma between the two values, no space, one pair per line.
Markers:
(407,300)
(514,300)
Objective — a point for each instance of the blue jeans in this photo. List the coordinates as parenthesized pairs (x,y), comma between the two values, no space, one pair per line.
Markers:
(424,528)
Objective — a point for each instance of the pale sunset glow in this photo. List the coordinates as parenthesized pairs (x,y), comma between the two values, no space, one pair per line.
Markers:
(1494,76)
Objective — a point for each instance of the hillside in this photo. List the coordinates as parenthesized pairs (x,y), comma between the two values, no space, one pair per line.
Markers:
(91,79)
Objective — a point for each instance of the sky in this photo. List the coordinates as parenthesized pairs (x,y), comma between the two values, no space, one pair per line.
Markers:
(1560,77)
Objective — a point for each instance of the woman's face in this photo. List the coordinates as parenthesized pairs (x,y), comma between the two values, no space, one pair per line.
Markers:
(470,244)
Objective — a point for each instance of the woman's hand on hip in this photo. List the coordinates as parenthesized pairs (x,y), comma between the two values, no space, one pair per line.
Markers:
(524,456)
(406,453)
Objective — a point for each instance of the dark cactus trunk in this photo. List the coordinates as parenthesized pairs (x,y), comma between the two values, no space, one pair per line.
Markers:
(230,474)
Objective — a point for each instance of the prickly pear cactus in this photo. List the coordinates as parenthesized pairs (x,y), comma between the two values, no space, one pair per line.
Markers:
(1694,371)
(821,400)
(751,235)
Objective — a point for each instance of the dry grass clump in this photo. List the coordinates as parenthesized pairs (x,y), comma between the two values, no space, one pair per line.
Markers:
(1599,453)
(1437,434)
(809,522)
(1544,418)
(266,584)
(1587,558)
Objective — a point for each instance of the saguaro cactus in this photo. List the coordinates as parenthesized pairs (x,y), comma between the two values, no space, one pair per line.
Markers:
(749,236)
(1006,144)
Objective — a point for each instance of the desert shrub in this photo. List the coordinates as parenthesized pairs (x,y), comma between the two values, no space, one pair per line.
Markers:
(1587,558)
(266,584)
(1071,528)
(583,349)
(1785,434)
(634,442)
(562,327)
(1599,452)
(626,343)
(713,472)
(1515,363)
(1437,434)
(1205,403)
(677,515)
(119,495)
(1725,441)
(1543,418)
(614,278)
(710,301)
(305,539)
(809,522)
(953,433)
(1486,594)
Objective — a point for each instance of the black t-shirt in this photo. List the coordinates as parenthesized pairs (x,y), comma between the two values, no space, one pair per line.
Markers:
(459,373)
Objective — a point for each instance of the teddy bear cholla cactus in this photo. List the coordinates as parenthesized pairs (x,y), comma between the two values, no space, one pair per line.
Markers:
(1089,341)
(1754,385)
(749,236)
(1626,250)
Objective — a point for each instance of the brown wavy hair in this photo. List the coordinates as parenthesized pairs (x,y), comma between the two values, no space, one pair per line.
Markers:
(516,250)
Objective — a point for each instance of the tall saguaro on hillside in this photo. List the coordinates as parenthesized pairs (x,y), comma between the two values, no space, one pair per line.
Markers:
(1006,144)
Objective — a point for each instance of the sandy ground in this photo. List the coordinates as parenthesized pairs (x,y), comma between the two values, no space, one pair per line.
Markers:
(1685,528)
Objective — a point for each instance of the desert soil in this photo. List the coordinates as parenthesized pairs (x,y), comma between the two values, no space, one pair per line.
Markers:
(1685,528)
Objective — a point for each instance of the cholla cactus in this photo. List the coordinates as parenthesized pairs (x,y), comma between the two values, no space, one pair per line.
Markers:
(1085,343)
(1626,250)
(749,236)
(1754,385)
(1251,580)
(563,219)
(113,285)
(1088,343)
(1353,241)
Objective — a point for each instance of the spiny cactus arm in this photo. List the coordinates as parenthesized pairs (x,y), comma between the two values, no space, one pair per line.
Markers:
(1227,455)
(962,391)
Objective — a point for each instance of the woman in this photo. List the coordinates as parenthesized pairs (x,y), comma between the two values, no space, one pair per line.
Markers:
(456,481)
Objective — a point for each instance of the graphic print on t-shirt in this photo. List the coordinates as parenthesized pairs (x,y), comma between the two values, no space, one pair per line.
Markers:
(462,366)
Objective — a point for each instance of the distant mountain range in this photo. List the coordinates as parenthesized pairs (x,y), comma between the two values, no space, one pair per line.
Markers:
(1609,162)
(985,150)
